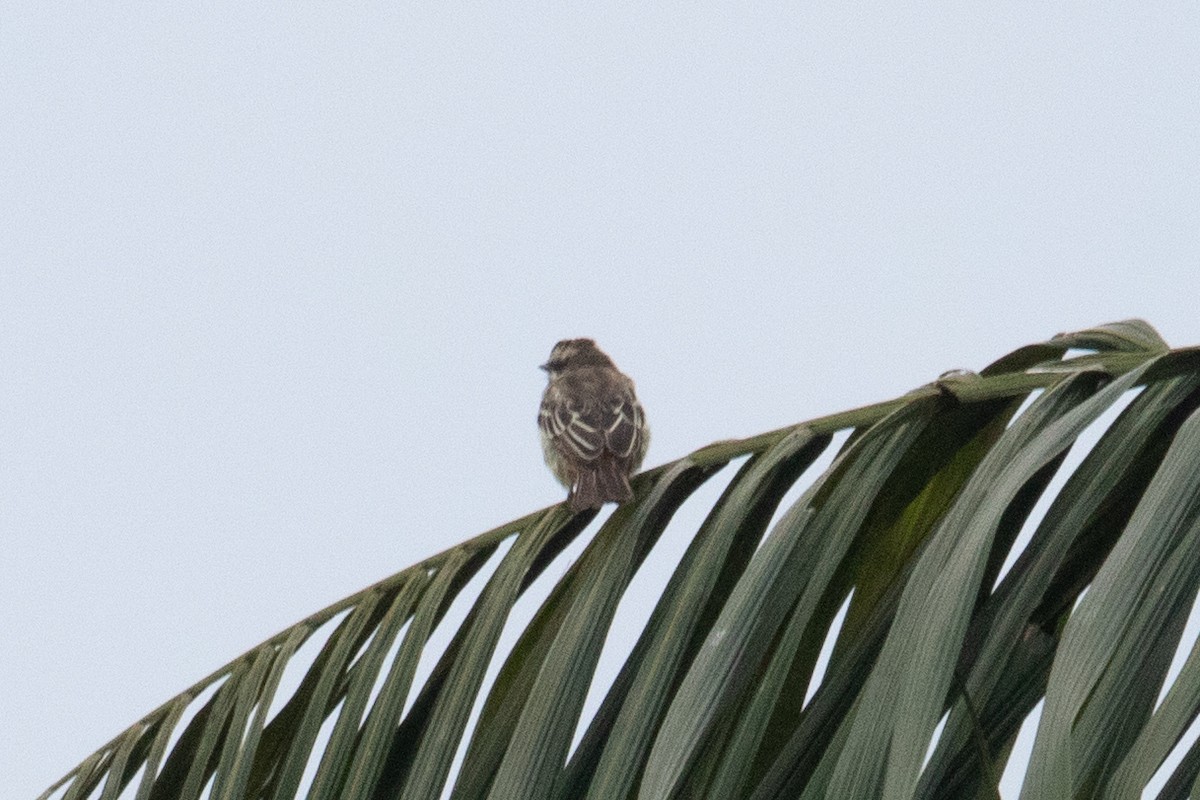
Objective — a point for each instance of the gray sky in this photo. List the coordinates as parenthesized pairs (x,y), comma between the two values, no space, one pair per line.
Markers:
(275,279)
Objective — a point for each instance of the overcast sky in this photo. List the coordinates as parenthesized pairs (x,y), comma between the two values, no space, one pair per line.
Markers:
(275,278)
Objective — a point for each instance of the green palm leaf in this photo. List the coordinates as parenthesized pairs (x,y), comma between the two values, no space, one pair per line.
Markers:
(907,532)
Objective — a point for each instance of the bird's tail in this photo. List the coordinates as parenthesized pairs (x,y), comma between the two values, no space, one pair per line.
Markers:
(606,483)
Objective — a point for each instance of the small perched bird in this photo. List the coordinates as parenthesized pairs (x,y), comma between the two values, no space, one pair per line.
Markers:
(594,433)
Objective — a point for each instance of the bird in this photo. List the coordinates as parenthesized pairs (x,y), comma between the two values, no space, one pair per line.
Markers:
(593,430)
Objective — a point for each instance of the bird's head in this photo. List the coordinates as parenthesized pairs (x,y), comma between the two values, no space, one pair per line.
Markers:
(574,353)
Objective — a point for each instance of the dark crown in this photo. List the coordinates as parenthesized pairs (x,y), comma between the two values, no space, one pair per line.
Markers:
(577,353)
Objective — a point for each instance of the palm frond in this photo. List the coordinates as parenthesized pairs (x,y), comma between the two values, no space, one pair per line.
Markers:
(909,532)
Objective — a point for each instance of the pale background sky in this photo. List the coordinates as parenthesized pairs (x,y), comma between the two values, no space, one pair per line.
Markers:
(275,278)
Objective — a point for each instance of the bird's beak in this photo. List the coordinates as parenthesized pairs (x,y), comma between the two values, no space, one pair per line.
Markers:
(544,367)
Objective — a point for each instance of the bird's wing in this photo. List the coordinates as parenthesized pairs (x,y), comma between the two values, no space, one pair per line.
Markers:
(573,425)
(621,420)
(590,423)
